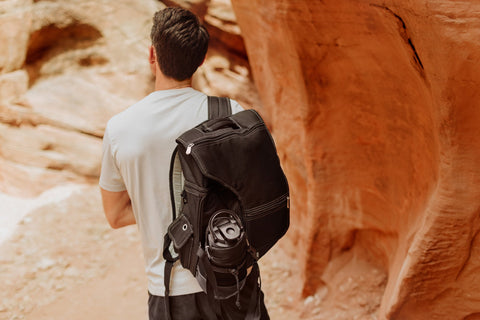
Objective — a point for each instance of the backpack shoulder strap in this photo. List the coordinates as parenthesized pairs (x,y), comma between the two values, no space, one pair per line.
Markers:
(219,107)
(176,183)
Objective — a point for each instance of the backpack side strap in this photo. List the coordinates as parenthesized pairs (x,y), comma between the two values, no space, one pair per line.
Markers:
(219,107)
(169,261)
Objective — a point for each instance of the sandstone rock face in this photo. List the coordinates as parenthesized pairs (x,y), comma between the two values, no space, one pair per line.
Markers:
(374,107)
(15,19)
(64,72)
(69,66)
(66,67)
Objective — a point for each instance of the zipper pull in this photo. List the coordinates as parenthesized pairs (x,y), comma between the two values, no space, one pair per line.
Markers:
(189,148)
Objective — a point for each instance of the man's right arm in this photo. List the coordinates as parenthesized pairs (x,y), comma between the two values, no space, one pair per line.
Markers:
(118,208)
(115,198)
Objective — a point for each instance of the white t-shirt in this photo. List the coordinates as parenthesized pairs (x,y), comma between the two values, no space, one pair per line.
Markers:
(137,149)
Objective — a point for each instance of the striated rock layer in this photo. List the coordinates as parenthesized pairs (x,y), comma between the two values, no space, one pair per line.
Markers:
(67,67)
(374,106)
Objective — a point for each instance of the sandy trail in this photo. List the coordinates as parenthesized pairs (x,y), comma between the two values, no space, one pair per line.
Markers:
(14,209)
(63,261)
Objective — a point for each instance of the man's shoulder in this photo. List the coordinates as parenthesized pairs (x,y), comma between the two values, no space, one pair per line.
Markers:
(236,107)
(119,119)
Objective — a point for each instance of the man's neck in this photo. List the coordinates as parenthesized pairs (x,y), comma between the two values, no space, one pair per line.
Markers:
(165,83)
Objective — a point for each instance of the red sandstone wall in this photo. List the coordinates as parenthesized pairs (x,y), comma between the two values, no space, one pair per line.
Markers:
(374,106)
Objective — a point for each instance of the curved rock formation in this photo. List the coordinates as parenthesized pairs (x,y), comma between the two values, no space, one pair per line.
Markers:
(69,66)
(65,68)
(374,106)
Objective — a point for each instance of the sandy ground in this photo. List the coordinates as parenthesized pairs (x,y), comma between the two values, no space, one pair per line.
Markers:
(14,209)
(64,262)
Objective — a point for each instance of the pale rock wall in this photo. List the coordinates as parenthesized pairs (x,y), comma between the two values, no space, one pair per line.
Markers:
(374,106)
(64,71)
(66,67)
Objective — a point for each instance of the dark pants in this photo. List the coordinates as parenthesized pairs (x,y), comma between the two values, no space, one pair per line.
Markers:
(196,306)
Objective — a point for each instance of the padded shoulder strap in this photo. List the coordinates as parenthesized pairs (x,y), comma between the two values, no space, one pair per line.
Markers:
(176,181)
(218,107)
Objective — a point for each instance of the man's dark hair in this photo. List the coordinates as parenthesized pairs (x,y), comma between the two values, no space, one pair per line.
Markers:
(180,42)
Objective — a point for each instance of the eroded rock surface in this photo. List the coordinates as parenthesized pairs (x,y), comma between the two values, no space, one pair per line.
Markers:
(69,66)
(374,106)
(66,67)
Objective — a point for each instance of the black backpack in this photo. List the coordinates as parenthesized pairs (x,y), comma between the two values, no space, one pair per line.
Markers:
(233,205)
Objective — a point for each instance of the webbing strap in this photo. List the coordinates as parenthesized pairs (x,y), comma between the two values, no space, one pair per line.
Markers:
(253,311)
(166,281)
(169,261)
(219,107)
(211,282)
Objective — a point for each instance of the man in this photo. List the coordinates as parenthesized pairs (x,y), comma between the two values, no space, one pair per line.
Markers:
(137,149)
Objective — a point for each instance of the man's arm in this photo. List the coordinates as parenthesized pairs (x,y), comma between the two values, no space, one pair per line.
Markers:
(118,208)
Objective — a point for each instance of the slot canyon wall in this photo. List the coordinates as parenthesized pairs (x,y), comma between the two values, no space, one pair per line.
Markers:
(373,106)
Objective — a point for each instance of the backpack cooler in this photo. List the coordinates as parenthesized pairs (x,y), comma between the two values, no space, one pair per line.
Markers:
(233,203)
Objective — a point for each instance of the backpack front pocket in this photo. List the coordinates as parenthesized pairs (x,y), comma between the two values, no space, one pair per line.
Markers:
(267,223)
(181,233)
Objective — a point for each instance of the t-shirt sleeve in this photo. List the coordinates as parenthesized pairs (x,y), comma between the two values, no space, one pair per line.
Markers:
(236,107)
(110,177)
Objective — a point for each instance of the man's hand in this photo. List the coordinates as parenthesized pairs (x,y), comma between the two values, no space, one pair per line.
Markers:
(118,208)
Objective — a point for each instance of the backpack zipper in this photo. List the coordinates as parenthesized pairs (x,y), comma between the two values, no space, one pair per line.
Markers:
(189,148)
(225,135)
(266,208)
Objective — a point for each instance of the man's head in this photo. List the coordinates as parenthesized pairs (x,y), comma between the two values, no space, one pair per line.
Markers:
(180,42)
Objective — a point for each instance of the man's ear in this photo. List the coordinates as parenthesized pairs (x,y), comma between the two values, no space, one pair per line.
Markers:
(152,60)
